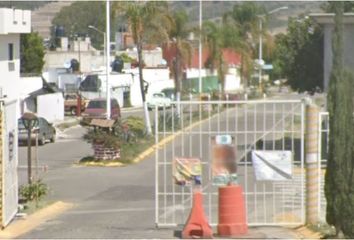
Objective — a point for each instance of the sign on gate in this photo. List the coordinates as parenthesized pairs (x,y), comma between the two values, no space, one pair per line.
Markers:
(224,164)
(186,170)
(272,165)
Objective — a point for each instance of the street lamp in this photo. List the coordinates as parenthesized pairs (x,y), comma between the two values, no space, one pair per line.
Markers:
(104,37)
(104,42)
(106,60)
(200,86)
(29,121)
(260,60)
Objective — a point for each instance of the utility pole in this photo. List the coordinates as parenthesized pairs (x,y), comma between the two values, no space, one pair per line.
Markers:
(200,47)
(108,48)
(260,57)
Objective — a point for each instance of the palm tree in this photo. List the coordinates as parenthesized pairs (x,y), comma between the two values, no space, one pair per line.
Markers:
(213,38)
(147,23)
(178,34)
(244,20)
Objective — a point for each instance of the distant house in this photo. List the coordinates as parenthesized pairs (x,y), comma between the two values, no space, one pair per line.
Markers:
(210,81)
(327,21)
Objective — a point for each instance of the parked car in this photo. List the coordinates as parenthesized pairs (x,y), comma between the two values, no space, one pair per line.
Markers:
(160,100)
(70,103)
(96,109)
(44,129)
(169,93)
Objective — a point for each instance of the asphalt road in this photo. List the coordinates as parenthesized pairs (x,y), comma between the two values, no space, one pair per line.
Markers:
(113,202)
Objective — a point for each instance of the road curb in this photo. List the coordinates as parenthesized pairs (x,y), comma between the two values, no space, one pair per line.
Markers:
(305,233)
(22,226)
(166,140)
(129,109)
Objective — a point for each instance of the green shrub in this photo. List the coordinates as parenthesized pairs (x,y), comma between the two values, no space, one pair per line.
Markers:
(107,139)
(36,190)
(171,120)
(135,125)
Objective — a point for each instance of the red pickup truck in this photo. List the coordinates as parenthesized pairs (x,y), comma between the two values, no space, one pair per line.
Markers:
(70,103)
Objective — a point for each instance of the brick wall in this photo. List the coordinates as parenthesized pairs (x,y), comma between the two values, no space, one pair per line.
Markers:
(104,153)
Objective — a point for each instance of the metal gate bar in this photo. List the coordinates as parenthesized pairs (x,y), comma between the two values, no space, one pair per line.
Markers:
(255,125)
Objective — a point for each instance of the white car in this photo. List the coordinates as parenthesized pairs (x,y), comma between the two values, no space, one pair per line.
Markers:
(159,100)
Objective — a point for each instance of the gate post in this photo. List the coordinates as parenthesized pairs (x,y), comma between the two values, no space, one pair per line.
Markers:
(312,171)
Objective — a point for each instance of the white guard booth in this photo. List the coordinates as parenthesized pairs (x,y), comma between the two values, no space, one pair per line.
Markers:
(8,160)
(51,107)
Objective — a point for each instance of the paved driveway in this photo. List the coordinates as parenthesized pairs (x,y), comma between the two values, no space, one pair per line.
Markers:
(109,202)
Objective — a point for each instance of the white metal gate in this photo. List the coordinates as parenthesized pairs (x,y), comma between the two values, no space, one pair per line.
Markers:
(254,125)
(9,160)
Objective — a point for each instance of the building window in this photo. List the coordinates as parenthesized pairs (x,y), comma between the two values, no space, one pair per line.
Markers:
(11,51)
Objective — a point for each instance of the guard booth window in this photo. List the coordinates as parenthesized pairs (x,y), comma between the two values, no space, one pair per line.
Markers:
(11,51)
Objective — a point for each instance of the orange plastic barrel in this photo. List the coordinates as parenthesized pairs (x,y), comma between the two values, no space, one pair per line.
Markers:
(232,212)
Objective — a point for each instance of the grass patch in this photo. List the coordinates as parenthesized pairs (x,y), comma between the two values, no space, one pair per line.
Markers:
(33,206)
(130,151)
(324,229)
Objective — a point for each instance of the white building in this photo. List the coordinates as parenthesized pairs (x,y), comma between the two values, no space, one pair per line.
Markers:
(13,22)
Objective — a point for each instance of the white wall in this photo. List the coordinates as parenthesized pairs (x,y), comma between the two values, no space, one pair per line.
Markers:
(51,74)
(28,85)
(9,189)
(68,78)
(51,107)
(158,79)
(194,72)
(89,60)
(14,21)
(152,58)
(232,80)
(151,74)
(9,80)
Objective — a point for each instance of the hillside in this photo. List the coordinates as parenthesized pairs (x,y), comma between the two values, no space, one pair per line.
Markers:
(30,5)
(215,9)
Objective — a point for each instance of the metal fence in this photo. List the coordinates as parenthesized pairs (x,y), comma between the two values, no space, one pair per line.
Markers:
(323,134)
(254,125)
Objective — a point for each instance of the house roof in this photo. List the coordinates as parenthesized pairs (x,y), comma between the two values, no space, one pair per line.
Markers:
(230,56)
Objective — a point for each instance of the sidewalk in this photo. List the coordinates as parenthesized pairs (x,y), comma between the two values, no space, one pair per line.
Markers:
(271,232)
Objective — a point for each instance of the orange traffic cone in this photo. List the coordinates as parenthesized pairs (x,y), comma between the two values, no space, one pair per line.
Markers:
(232,212)
(197,225)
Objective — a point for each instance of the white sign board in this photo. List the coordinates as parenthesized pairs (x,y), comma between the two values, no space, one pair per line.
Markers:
(272,165)
(223,139)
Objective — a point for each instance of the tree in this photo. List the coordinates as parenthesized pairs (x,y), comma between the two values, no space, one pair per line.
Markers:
(32,53)
(329,7)
(178,35)
(78,16)
(213,37)
(339,178)
(146,21)
(298,55)
(244,19)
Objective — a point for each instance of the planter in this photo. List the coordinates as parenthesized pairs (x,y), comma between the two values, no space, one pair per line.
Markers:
(105,153)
